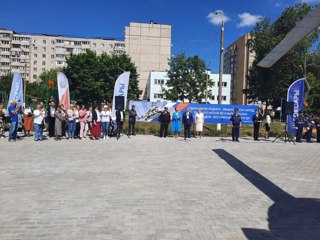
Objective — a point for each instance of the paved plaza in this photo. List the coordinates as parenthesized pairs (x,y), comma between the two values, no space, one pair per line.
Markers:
(151,188)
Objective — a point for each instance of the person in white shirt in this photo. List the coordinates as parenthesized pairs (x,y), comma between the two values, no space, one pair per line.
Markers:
(267,125)
(38,122)
(199,119)
(105,121)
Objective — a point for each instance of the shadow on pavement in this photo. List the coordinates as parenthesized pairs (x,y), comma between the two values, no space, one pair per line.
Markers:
(289,218)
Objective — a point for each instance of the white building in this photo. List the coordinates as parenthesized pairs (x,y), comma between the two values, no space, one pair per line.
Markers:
(158,80)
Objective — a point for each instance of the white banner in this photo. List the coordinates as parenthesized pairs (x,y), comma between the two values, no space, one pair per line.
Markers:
(63,90)
(120,89)
(16,92)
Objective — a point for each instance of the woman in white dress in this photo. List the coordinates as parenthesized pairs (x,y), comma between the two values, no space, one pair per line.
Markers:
(199,122)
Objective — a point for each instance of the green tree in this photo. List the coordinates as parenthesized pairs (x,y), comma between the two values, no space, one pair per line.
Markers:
(92,77)
(273,83)
(5,83)
(187,79)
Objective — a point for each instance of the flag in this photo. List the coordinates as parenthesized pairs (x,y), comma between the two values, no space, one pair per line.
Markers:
(295,95)
(63,90)
(16,92)
(120,89)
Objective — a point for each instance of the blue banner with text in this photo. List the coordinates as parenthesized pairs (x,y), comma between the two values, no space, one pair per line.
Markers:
(213,113)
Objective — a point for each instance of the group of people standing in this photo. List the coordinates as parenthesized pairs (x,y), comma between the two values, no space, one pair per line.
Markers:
(76,122)
(176,119)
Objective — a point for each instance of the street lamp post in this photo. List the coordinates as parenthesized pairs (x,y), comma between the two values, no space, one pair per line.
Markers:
(25,77)
(221,61)
(221,55)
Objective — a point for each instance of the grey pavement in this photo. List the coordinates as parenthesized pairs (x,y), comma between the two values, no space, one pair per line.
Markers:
(151,188)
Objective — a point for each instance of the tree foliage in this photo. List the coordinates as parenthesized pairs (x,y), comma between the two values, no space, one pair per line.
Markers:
(92,77)
(273,83)
(187,79)
(5,83)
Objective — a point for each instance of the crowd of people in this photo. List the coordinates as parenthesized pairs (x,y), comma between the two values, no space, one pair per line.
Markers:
(304,122)
(76,122)
(96,122)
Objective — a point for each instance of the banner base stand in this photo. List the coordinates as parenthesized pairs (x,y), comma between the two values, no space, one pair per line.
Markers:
(285,136)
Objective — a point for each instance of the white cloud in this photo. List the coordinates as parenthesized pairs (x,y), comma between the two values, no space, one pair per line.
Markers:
(310,1)
(216,19)
(248,20)
(277,4)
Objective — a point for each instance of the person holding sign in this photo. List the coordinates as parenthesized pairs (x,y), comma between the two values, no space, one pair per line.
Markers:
(187,120)
(236,124)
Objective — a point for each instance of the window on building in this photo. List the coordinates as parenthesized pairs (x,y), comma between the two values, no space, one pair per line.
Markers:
(35,55)
(94,44)
(35,76)
(158,95)
(44,41)
(52,42)
(34,41)
(44,49)
(44,55)
(224,84)
(35,48)
(224,98)
(60,40)
(43,62)
(35,62)
(158,81)
(52,56)
(102,45)
(35,69)
(43,69)
(213,97)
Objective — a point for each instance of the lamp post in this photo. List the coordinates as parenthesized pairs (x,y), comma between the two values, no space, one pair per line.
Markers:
(221,60)
(221,55)
(25,78)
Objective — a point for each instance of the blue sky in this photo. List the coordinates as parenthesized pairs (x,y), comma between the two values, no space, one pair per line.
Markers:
(193,32)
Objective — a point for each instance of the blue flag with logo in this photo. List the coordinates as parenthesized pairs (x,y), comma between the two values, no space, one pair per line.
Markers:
(16,92)
(295,95)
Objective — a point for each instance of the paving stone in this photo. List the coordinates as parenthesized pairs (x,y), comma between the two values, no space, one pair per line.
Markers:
(151,188)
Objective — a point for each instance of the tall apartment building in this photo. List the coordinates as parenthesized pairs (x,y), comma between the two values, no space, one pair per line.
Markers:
(149,46)
(238,59)
(32,54)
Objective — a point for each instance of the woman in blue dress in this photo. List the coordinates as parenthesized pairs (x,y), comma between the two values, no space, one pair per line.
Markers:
(176,123)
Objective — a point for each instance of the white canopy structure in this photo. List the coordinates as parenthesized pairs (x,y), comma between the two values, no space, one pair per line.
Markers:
(300,31)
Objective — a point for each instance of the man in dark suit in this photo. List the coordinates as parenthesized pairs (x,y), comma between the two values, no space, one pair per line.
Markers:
(187,121)
(132,120)
(51,118)
(164,120)
(120,118)
(256,119)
